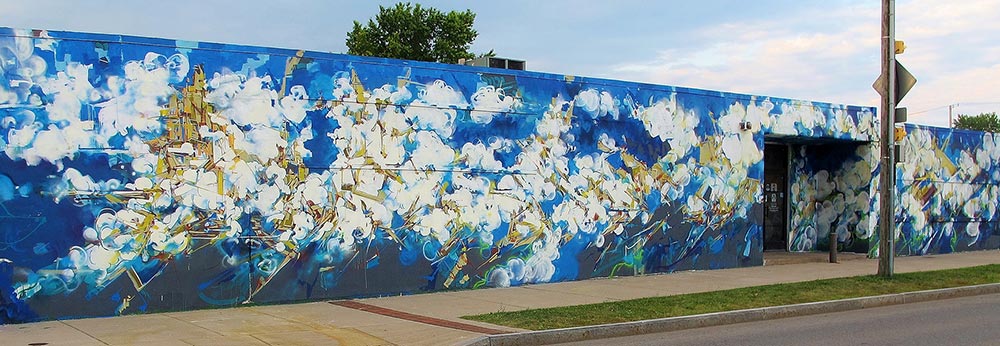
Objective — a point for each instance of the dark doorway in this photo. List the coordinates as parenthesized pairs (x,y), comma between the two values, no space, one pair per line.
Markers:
(775,195)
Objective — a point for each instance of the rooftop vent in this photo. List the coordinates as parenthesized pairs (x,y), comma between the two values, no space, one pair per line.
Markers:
(488,61)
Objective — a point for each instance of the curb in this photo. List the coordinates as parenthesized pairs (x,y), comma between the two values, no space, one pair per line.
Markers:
(554,336)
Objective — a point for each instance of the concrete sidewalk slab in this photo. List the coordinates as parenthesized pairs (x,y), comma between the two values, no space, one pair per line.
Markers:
(450,304)
(51,332)
(604,289)
(139,329)
(321,323)
(387,330)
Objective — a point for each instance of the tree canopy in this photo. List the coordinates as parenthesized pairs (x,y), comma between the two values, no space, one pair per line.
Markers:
(987,122)
(413,32)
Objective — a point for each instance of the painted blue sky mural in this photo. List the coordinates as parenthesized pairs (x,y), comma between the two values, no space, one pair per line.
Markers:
(145,174)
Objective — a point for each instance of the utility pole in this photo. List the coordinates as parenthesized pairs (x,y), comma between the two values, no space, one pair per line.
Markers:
(950,107)
(887,178)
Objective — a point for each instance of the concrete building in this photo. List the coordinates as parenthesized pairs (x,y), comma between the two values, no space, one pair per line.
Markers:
(143,174)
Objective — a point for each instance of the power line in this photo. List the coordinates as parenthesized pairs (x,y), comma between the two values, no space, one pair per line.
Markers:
(981,103)
(929,109)
(957,104)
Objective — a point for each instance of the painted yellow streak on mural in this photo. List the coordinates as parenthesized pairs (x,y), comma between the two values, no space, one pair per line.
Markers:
(447,246)
(568,118)
(220,184)
(602,147)
(137,282)
(264,280)
(390,174)
(660,176)
(631,161)
(289,67)
(463,260)
(747,189)
(217,237)
(359,89)
(392,234)
(924,192)
(510,238)
(708,151)
(534,233)
(401,81)
(443,187)
(946,163)
(124,304)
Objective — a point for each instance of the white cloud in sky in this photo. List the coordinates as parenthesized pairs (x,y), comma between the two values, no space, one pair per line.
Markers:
(954,52)
(832,54)
(785,56)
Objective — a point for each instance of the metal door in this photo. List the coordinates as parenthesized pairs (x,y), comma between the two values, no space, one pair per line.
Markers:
(775,196)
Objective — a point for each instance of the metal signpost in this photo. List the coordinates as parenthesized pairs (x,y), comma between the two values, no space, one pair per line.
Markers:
(894,82)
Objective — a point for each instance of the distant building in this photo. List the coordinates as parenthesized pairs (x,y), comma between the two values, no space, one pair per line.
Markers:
(495,62)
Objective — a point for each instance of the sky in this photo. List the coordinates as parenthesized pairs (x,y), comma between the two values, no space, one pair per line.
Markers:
(814,50)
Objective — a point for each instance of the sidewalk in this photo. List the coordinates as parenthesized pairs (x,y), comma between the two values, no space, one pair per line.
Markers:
(433,319)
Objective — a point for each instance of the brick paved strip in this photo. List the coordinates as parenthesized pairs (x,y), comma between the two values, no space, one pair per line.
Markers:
(416,318)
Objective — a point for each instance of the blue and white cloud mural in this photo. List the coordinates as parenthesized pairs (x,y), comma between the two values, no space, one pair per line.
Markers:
(948,192)
(834,189)
(143,174)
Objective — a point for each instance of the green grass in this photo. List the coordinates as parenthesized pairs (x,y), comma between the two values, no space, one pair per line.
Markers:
(740,298)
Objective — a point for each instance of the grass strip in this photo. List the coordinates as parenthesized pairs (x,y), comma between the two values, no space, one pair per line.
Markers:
(739,298)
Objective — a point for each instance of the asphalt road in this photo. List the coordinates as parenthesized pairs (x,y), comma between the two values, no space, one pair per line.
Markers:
(960,321)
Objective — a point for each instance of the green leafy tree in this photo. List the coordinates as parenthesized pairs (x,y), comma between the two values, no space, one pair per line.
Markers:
(413,32)
(983,122)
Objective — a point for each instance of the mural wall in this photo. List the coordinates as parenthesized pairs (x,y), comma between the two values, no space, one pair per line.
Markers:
(145,174)
(833,188)
(948,191)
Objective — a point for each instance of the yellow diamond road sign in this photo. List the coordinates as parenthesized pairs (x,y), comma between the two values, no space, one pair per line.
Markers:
(904,82)
(879,84)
